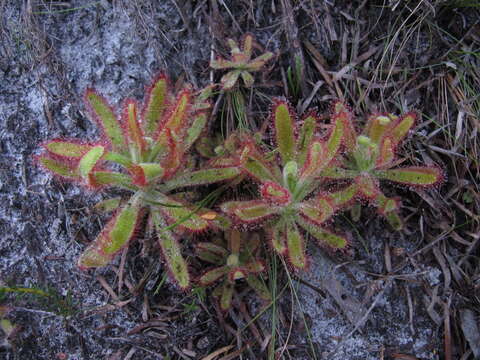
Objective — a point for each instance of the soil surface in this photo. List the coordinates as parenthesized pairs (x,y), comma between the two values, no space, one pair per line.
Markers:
(385,300)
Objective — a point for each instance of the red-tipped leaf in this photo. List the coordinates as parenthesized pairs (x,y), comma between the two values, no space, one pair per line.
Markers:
(113,238)
(249,211)
(106,118)
(283,120)
(155,105)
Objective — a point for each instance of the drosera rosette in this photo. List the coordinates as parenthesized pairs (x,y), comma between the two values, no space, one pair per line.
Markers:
(292,200)
(371,157)
(235,258)
(241,64)
(142,152)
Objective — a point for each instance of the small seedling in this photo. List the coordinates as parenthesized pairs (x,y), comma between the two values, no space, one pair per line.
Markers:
(149,143)
(371,157)
(238,260)
(241,64)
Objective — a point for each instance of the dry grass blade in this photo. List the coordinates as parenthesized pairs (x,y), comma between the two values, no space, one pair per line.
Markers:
(447,330)
(470,330)
(351,307)
(151,324)
(320,63)
(234,354)
(218,352)
(248,319)
(108,288)
(291,29)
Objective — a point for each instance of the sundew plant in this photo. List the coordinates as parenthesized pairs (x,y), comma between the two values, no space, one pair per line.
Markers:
(295,179)
(311,172)
(149,143)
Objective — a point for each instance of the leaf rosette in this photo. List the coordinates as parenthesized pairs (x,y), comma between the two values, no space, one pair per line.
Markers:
(371,157)
(143,151)
(291,203)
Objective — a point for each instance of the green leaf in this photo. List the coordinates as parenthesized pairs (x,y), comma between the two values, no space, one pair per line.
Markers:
(247,46)
(122,230)
(180,214)
(172,252)
(220,222)
(284,131)
(211,253)
(335,139)
(177,120)
(173,154)
(296,247)
(377,126)
(342,197)
(194,131)
(259,62)
(135,134)
(248,79)
(367,185)
(339,173)
(213,275)
(279,234)
(254,266)
(317,210)
(394,220)
(274,192)
(221,64)
(118,159)
(316,161)
(234,241)
(226,298)
(325,237)
(255,166)
(155,105)
(401,129)
(66,148)
(160,147)
(415,175)
(290,175)
(59,168)
(249,211)
(112,178)
(114,237)
(89,160)
(202,96)
(202,177)
(341,114)
(107,119)
(256,284)
(386,205)
(229,80)
(236,273)
(151,170)
(305,138)
(386,154)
